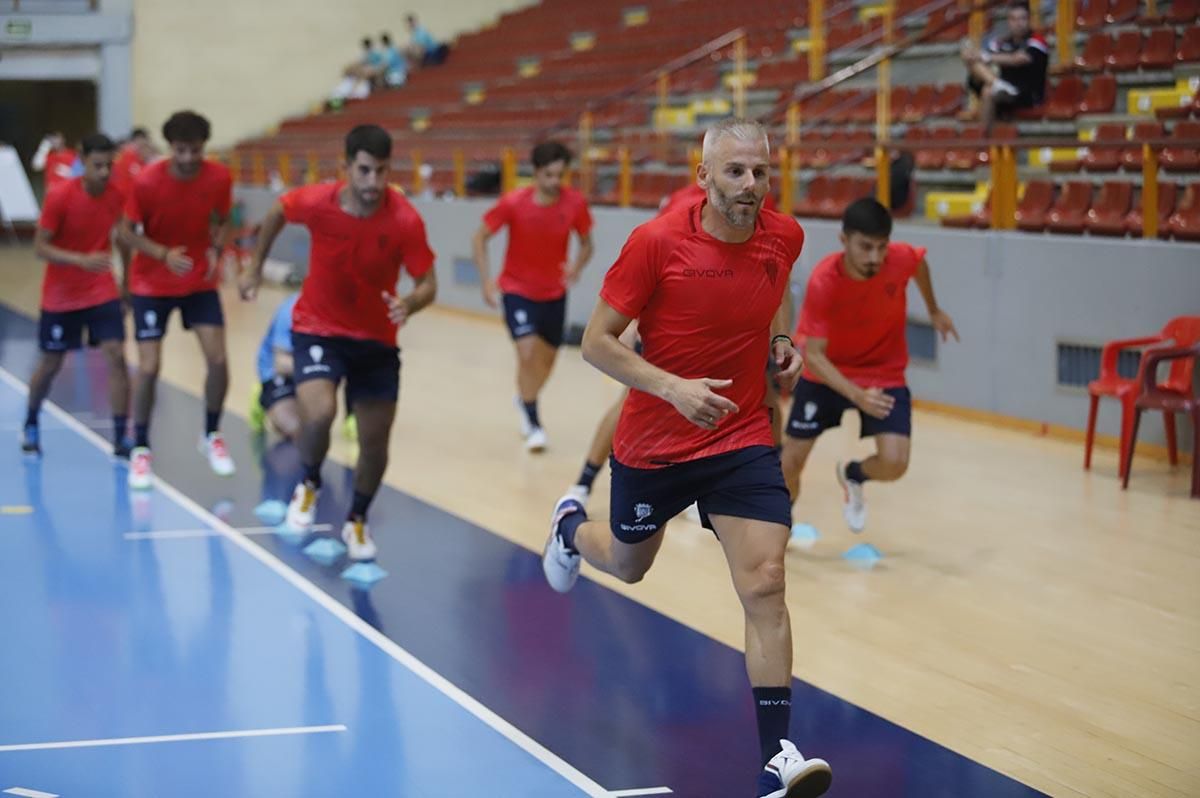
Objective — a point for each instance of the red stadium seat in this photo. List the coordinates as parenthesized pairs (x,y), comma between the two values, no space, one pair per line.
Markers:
(1189,46)
(1131,157)
(1097,48)
(1064,98)
(1126,51)
(1182,158)
(1184,223)
(1158,50)
(1107,216)
(1100,97)
(1183,12)
(1034,205)
(1167,193)
(1069,214)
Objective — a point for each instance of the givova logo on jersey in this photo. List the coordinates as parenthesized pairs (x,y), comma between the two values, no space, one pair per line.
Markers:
(316,353)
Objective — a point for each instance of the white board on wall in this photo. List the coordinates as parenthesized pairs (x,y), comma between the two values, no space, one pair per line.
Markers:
(17,203)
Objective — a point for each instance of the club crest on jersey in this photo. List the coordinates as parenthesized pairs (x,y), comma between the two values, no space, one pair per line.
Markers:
(642,511)
(316,353)
(56,332)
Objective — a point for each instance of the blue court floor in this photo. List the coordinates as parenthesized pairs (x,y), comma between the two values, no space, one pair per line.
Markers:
(151,649)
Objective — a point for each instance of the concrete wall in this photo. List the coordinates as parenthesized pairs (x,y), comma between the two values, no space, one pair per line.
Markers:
(1013,297)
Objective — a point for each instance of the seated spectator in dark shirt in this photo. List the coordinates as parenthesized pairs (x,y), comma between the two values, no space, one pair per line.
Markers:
(1008,73)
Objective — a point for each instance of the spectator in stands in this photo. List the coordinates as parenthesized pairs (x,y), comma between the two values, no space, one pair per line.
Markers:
(1009,73)
(54,159)
(423,49)
(394,70)
(359,76)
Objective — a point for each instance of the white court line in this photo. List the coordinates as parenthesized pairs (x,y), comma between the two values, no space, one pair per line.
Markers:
(209,532)
(644,791)
(25,792)
(176,738)
(345,615)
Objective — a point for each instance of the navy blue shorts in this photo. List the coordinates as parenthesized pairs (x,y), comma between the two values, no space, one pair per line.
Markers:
(371,369)
(816,407)
(62,331)
(150,313)
(746,483)
(546,320)
(275,389)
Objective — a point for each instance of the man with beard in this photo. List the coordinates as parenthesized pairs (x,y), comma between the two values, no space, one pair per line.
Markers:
(345,322)
(181,203)
(708,287)
(535,277)
(854,322)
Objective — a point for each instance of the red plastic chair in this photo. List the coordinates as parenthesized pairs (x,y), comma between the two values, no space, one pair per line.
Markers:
(1100,97)
(1184,331)
(1167,398)
(1166,206)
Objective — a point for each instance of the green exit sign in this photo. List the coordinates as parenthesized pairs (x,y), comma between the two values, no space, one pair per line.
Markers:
(18,28)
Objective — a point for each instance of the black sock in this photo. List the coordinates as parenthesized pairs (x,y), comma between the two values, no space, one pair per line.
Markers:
(531,412)
(358,508)
(773,708)
(211,421)
(312,475)
(120,427)
(588,475)
(568,527)
(141,435)
(31,416)
(855,473)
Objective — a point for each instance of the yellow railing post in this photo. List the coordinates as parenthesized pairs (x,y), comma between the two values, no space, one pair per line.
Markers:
(739,77)
(1152,8)
(312,168)
(787,182)
(625,178)
(1008,160)
(816,42)
(883,112)
(460,174)
(1149,192)
(508,170)
(235,167)
(258,169)
(660,128)
(793,124)
(1064,29)
(585,153)
(976,22)
(418,181)
(694,156)
(285,168)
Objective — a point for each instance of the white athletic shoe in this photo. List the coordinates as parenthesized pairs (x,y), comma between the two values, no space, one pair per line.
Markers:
(790,775)
(580,493)
(302,509)
(560,564)
(141,474)
(855,508)
(535,441)
(359,543)
(526,427)
(1005,87)
(212,446)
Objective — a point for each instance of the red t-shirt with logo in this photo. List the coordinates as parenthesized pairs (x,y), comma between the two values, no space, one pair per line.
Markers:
(174,213)
(704,309)
(79,222)
(863,321)
(353,260)
(539,237)
(692,193)
(58,167)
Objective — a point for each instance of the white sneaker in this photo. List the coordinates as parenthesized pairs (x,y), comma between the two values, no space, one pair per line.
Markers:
(1004,86)
(302,509)
(560,564)
(212,446)
(526,427)
(855,508)
(790,775)
(580,493)
(359,543)
(535,441)
(141,475)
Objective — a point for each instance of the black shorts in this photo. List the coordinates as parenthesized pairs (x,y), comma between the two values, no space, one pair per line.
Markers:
(150,313)
(62,331)
(746,483)
(1004,99)
(816,407)
(371,368)
(275,389)
(546,320)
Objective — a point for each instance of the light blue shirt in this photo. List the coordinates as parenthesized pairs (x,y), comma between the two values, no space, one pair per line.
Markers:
(424,39)
(278,337)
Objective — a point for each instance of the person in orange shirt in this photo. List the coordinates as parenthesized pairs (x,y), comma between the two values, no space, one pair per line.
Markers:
(74,237)
(536,274)
(854,320)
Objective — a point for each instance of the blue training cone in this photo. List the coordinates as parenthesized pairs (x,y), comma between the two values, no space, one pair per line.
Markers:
(805,533)
(364,574)
(326,551)
(271,512)
(864,555)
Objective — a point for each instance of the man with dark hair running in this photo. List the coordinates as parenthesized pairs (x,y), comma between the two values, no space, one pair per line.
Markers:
(344,324)
(74,237)
(535,277)
(708,287)
(854,322)
(181,204)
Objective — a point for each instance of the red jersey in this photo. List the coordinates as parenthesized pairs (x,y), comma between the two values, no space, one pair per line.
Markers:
(127,167)
(704,309)
(692,193)
(538,240)
(79,222)
(175,213)
(864,321)
(58,167)
(353,260)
